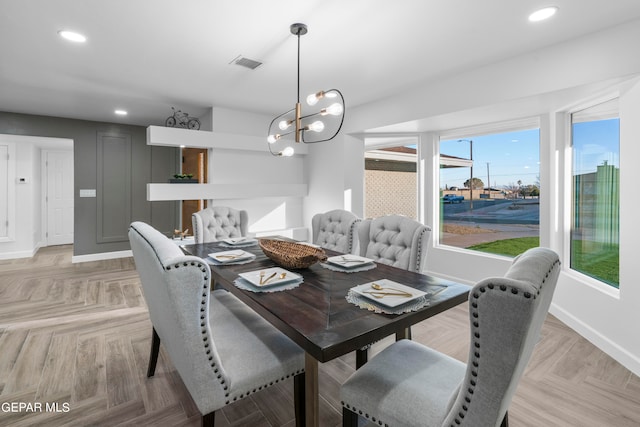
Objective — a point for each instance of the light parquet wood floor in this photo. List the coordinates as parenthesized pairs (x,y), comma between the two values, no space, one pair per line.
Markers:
(75,339)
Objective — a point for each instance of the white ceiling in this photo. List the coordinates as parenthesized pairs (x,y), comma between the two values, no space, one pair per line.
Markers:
(148,55)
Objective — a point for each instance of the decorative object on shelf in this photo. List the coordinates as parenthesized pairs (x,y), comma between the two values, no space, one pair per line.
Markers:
(291,254)
(182,120)
(177,234)
(293,121)
(183,178)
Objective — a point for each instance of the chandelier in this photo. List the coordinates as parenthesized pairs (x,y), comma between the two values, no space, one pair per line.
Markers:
(306,127)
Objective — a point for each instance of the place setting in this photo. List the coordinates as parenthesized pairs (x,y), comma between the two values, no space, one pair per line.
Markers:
(349,263)
(274,279)
(387,297)
(233,257)
(238,242)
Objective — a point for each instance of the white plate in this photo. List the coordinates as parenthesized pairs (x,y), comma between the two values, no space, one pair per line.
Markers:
(388,300)
(349,261)
(253,277)
(239,241)
(231,256)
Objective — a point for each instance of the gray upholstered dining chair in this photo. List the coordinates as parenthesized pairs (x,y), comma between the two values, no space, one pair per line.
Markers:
(222,350)
(409,384)
(335,230)
(219,222)
(395,240)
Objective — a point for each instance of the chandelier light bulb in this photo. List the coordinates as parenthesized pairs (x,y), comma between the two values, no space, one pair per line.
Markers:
(284,124)
(273,138)
(316,126)
(330,94)
(313,98)
(334,109)
(287,152)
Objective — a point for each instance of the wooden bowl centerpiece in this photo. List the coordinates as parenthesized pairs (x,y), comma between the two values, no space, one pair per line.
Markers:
(291,254)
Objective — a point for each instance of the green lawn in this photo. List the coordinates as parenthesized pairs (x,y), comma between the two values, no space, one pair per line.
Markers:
(602,262)
(508,247)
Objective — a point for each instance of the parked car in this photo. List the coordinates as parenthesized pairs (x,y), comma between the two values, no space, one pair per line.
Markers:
(452,198)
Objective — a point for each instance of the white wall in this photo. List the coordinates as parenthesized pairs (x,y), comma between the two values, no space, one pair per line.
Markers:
(533,85)
(593,59)
(335,171)
(229,166)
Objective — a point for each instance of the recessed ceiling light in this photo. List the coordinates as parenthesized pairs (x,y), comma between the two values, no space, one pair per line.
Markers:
(121,112)
(542,14)
(72,36)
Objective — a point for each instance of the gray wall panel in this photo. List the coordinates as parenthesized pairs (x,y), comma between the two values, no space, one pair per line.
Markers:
(85,150)
(114,187)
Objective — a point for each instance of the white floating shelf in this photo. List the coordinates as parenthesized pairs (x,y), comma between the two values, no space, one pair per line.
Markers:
(158,192)
(175,137)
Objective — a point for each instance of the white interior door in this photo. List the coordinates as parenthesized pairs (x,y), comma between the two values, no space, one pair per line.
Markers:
(59,197)
(5,203)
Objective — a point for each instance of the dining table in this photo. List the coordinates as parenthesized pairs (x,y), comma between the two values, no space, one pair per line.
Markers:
(317,315)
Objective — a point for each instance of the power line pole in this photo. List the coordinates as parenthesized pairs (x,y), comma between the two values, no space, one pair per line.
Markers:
(471,178)
(488,181)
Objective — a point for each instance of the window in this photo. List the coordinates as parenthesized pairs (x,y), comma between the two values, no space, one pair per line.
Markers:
(391,181)
(490,190)
(595,228)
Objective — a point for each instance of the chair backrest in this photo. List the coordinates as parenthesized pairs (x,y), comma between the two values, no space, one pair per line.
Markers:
(335,230)
(395,240)
(506,316)
(176,288)
(219,222)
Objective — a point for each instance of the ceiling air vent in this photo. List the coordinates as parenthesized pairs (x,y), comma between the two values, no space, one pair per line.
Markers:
(246,62)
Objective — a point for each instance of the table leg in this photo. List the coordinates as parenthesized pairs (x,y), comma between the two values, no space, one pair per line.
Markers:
(405,334)
(312,397)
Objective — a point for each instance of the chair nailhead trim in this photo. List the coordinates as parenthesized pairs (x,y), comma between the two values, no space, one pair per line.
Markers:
(476,354)
(418,258)
(359,412)
(247,393)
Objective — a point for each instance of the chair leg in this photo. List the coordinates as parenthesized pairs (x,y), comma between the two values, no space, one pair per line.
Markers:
(153,356)
(505,420)
(299,399)
(349,418)
(209,420)
(362,355)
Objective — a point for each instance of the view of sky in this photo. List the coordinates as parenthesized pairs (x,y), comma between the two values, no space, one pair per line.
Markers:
(511,157)
(515,156)
(594,143)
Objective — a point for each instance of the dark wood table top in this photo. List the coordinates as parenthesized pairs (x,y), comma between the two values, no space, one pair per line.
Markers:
(316,314)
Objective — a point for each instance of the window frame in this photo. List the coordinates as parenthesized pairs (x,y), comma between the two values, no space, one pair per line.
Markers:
(396,140)
(526,123)
(567,178)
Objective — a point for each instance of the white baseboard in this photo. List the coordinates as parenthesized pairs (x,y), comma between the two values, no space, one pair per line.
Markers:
(621,355)
(19,254)
(101,256)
